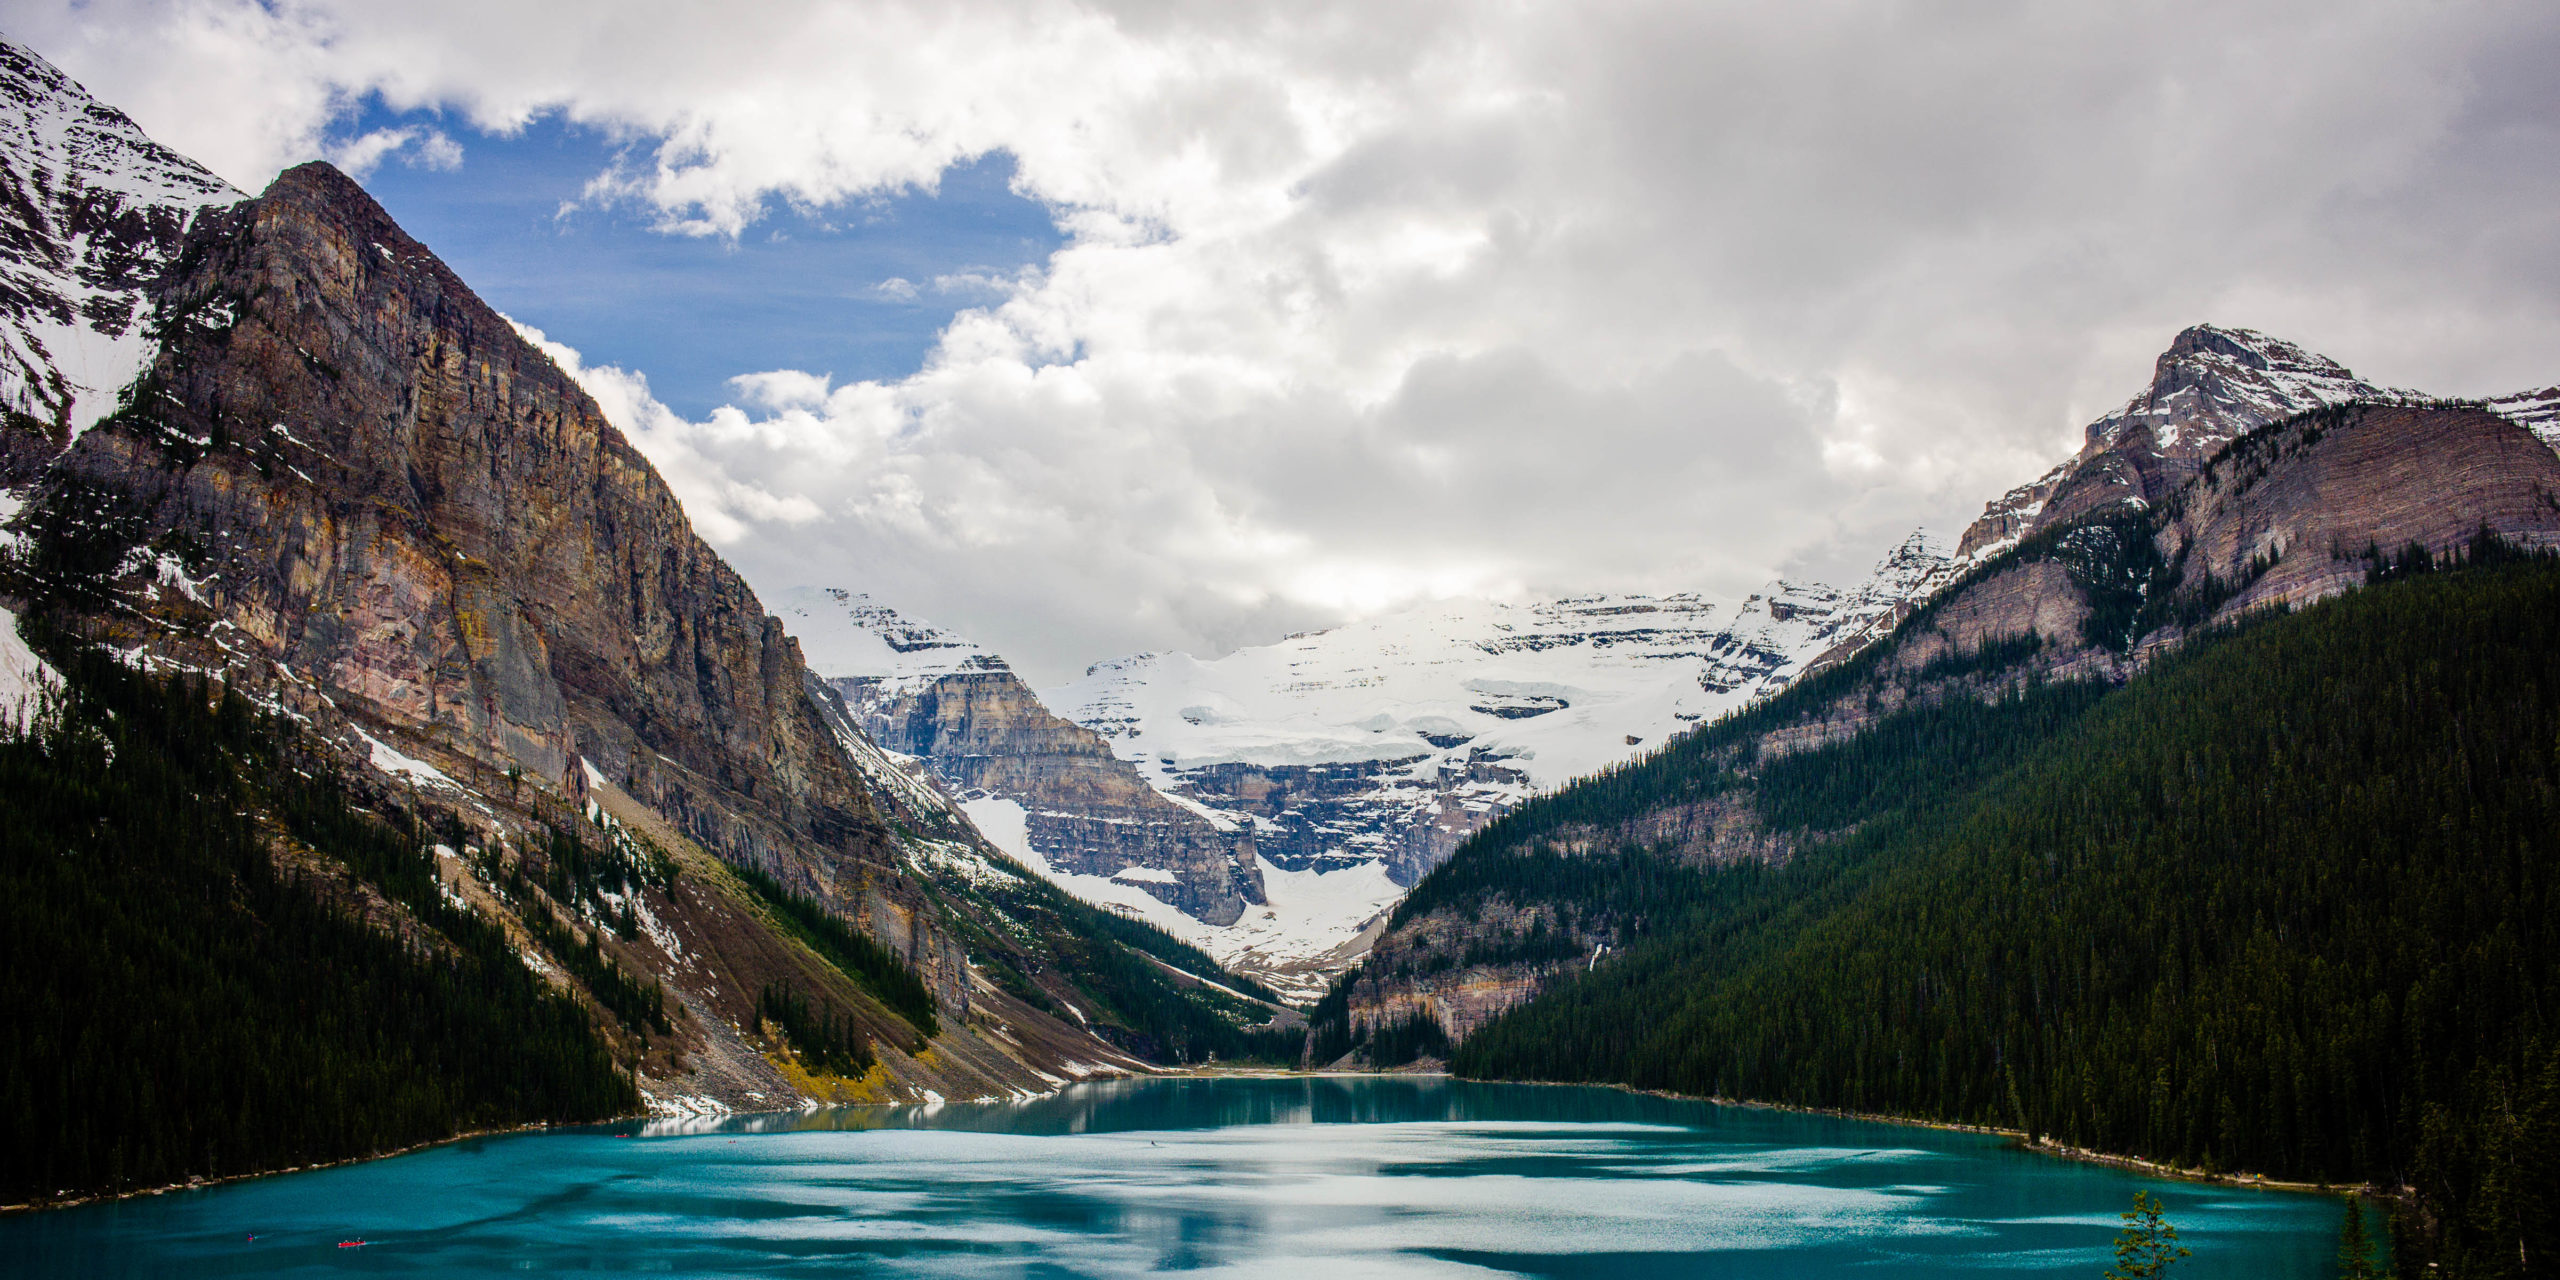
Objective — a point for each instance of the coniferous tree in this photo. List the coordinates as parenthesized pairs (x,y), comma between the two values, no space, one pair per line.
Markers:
(2355,1248)
(2148,1244)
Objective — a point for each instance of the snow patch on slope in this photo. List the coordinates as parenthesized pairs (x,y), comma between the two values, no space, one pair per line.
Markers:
(1307,931)
(26,680)
(392,761)
(2535,411)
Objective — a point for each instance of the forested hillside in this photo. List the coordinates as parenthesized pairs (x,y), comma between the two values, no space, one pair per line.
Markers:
(2283,903)
(220,964)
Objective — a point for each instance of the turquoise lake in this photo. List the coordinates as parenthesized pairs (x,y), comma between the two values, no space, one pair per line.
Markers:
(1307,1179)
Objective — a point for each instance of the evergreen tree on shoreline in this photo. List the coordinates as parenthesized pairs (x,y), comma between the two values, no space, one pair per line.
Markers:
(2355,1247)
(2148,1244)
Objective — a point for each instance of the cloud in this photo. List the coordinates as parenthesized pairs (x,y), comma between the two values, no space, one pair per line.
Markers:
(1363,302)
(418,148)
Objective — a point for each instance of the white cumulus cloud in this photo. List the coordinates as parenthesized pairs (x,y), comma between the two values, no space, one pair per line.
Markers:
(1364,301)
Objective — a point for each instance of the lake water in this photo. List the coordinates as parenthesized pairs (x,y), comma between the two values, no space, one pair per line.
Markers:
(1304,1179)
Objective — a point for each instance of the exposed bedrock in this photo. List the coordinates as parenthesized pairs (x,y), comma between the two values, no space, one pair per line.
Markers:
(366,475)
(984,733)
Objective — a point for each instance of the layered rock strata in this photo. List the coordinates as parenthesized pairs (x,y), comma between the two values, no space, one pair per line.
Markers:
(926,694)
(1085,811)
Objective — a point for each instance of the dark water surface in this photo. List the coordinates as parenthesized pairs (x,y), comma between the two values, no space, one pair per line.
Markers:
(1304,1179)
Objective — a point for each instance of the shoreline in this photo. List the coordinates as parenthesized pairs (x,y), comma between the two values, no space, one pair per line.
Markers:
(2022,1140)
(2019,1138)
(643,1116)
(206,1184)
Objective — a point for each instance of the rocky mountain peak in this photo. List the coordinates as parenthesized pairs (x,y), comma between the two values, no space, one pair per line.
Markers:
(361,472)
(1914,560)
(91,212)
(2207,344)
(2211,386)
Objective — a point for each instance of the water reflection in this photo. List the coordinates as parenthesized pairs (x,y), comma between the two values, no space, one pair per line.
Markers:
(1330,1177)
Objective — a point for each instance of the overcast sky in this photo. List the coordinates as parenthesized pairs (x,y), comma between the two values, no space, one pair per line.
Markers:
(1320,307)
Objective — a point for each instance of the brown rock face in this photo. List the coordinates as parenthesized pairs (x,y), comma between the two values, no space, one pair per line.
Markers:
(367,476)
(1424,966)
(982,731)
(2288,514)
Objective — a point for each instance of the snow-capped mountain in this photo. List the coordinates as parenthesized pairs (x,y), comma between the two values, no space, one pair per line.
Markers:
(91,210)
(848,635)
(1390,739)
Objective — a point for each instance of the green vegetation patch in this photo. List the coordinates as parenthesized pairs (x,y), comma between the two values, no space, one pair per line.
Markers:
(877,969)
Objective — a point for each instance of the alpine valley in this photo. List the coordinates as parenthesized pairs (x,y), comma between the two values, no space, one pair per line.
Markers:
(387,759)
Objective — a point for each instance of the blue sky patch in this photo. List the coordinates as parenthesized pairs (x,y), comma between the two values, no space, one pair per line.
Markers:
(799,290)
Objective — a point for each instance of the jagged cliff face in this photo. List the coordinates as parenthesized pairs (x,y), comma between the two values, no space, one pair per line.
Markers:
(91,210)
(922,692)
(367,476)
(2267,508)
(345,484)
(1084,811)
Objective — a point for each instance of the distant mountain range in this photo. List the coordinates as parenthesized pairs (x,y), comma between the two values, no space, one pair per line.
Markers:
(1271,804)
(1312,781)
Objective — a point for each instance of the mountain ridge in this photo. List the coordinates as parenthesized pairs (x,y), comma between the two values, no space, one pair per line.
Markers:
(2280,512)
